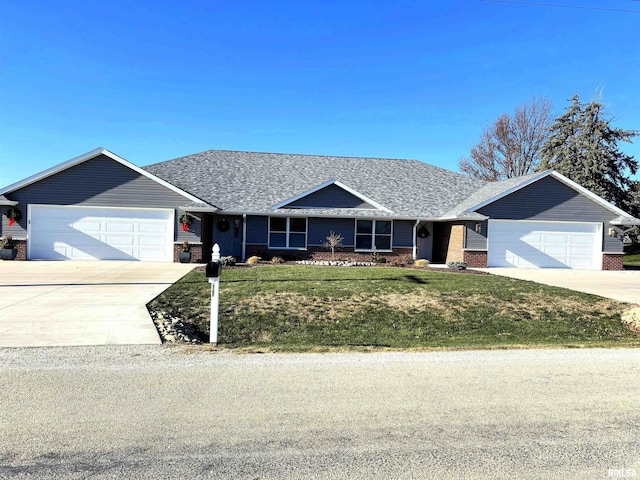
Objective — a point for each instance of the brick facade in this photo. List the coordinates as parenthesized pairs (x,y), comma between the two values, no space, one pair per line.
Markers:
(456,244)
(475,258)
(398,256)
(612,261)
(194,248)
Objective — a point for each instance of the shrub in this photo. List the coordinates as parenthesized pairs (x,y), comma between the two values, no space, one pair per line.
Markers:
(332,242)
(277,260)
(422,263)
(457,265)
(7,242)
(401,260)
(252,260)
(228,261)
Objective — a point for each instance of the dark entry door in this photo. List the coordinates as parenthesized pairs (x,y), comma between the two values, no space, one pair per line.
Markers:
(227,232)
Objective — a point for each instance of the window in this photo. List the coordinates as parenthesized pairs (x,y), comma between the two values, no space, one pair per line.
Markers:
(288,233)
(373,234)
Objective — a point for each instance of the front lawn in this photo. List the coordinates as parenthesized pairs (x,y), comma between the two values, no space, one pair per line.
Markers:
(632,261)
(293,308)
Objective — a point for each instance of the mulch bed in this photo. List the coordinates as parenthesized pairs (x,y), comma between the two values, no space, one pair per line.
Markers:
(467,271)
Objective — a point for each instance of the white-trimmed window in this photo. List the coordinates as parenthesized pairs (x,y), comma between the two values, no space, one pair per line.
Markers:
(373,235)
(288,233)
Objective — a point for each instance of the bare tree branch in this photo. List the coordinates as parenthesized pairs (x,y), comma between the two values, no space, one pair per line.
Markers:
(511,146)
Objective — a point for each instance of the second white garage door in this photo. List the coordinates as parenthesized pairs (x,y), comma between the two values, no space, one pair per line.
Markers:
(526,244)
(83,233)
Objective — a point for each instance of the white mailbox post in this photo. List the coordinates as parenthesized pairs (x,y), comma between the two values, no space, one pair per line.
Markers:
(212,271)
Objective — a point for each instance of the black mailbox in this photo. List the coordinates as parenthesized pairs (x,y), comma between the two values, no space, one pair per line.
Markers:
(213,269)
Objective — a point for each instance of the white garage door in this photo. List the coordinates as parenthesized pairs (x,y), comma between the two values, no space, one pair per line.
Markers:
(81,233)
(544,244)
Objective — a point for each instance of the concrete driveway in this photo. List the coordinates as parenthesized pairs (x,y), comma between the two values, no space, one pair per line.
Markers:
(619,285)
(81,303)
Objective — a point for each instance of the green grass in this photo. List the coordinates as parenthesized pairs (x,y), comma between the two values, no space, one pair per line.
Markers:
(296,308)
(632,261)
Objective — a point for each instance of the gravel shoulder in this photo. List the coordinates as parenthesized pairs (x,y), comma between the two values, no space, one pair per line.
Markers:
(166,412)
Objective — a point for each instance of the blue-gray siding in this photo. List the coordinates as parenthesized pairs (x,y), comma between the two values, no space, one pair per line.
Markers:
(319,227)
(100,182)
(476,240)
(553,201)
(331,196)
(403,233)
(257,230)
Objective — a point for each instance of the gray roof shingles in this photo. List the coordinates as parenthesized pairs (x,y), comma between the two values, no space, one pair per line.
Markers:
(254,182)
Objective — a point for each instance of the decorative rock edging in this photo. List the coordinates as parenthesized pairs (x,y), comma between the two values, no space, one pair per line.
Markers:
(173,329)
(631,318)
(335,263)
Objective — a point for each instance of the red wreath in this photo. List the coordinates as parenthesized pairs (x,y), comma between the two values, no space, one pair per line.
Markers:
(185,220)
(14,215)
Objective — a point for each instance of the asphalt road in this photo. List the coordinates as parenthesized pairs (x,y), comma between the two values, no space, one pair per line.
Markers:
(158,412)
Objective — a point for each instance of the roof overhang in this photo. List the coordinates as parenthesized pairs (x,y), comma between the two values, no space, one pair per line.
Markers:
(472,217)
(88,156)
(561,178)
(289,213)
(5,202)
(199,209)
(625,220)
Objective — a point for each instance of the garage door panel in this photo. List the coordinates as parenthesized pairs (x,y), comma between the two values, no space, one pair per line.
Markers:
(153,228)
(118,227)
(544,244)
(150,242)
(558,251)
(80,233)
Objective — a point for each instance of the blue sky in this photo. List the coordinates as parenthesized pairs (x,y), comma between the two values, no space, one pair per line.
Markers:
(155,80)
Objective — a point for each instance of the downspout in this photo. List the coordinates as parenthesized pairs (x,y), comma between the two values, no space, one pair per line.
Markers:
(415,239)
(244,236)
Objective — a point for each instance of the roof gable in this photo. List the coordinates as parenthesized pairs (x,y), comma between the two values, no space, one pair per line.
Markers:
(89,156)
(513,185)
(331,195)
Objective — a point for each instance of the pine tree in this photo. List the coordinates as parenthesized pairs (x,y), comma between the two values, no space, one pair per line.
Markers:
(583,146)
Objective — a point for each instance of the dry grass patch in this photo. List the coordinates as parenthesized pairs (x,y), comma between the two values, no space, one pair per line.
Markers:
(305,308)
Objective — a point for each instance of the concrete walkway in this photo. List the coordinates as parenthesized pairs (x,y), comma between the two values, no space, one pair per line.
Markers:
(81,303)
(619,285)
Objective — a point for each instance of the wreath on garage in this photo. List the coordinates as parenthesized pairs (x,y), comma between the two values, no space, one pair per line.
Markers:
(223,225)
(14,215)
(423,232)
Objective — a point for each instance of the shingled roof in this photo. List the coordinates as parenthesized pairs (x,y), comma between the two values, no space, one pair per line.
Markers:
(251,182)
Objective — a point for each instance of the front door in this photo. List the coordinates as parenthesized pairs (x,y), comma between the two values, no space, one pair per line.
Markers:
(227,233)
(424,235)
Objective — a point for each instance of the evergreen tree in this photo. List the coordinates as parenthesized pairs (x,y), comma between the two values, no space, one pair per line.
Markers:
(583,146)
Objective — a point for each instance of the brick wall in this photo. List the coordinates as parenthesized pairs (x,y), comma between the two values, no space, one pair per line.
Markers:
(399,255)
(476,258)
(612,261)
(195,249)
